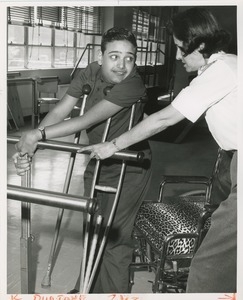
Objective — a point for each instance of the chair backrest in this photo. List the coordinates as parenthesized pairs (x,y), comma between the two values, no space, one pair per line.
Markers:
(47,85)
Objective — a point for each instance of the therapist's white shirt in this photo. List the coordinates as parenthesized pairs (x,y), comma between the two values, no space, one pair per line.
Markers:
(214,92)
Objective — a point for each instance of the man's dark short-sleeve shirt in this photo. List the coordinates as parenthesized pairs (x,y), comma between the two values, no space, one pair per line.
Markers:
(124,94)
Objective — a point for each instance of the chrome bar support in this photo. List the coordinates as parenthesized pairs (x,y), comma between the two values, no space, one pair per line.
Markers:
(71,147)
(54,199)
(25,240)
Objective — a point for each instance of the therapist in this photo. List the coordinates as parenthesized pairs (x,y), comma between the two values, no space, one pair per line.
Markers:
(201,46)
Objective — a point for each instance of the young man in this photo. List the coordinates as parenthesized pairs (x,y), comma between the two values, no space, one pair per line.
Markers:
(115,70)
(200,46)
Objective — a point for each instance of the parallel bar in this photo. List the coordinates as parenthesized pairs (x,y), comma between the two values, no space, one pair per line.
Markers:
(71,147)
(48,198)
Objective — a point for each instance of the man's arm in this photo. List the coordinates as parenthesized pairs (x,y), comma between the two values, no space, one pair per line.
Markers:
(60,111)
(99,112)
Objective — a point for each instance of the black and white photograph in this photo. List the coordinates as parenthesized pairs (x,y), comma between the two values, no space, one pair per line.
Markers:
(121,125)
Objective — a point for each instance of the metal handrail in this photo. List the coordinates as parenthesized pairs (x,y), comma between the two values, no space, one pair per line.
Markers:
(80,58)
(50,198)
(27,195)
(73,148)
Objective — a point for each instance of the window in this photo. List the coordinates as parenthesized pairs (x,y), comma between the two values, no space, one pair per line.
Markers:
(16,47)
(64,51)
(92,45)
(39,47)
(82,19)
(150,35)
(21,15)
(48,37)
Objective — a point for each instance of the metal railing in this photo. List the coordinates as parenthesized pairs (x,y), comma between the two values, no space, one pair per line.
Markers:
(27,195)
(73,148)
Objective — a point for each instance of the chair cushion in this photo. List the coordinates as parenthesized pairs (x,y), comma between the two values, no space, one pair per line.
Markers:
(157,221)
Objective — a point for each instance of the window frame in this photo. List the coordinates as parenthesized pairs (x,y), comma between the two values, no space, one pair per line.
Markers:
(60,24)
(151,35)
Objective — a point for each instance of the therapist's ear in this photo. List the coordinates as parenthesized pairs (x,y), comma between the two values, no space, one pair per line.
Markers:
(100,57)
(201,47)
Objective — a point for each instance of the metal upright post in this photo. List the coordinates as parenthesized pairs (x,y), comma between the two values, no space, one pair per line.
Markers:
(47,278)
(25,240)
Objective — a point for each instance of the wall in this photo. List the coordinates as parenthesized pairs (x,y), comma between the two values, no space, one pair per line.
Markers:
(123,17)
(108,14)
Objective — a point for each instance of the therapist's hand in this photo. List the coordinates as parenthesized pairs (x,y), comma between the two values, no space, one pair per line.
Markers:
(100,151)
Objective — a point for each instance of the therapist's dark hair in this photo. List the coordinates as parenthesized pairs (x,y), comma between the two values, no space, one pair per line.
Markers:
(196,26)
(118,34)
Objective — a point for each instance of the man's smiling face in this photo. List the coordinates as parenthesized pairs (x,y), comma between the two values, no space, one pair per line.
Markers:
(117,61)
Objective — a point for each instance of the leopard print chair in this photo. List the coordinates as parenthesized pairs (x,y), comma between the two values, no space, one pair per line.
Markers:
(168,232)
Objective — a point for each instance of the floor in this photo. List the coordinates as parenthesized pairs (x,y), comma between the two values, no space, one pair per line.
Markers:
(194,155)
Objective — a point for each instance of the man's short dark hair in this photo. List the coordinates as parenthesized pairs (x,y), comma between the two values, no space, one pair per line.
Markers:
(117,34)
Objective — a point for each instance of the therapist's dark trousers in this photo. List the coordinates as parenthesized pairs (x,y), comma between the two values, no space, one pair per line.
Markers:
(213,268)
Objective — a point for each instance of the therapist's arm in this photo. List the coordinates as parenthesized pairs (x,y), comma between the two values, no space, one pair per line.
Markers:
(151,125)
